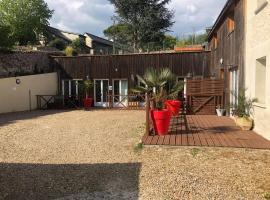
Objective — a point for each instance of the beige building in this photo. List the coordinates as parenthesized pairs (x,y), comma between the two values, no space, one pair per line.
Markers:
(257,73)
(19,93)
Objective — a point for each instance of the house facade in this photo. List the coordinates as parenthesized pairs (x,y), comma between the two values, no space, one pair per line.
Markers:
(239,43)
(227,46)
(257,66)
(98,45)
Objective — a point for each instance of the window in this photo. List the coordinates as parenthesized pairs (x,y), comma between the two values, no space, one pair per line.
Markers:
(215,41)
(231,22)
(234,87)
(260,79)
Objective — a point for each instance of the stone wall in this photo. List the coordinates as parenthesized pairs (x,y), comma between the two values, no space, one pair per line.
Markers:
(24,63)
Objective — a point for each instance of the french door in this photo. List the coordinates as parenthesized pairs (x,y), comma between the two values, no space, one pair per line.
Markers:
(234,87)
(120,92)
(101,90)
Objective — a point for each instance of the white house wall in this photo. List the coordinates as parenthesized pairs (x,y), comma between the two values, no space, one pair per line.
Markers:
(258,46)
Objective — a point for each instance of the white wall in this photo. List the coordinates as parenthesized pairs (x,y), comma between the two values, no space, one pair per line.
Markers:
(15,97)
(258,46)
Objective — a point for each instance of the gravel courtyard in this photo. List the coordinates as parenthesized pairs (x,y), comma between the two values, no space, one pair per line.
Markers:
(94,155)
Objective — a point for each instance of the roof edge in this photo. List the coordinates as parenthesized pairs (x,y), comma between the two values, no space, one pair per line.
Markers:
(221,15)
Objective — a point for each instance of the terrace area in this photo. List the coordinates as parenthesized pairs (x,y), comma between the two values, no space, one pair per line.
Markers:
(208,131)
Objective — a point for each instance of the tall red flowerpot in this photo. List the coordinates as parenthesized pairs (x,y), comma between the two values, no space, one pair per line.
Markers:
(87,103)
(173,106)
(161,120)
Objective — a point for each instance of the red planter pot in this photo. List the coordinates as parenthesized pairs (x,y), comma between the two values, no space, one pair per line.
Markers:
(173,106)
(87,103)
(161,120)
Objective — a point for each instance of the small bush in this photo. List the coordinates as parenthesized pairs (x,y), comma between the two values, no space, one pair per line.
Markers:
(138,147)
(267,195)
(78,44)
(194,152)
(58,44)
(69,51)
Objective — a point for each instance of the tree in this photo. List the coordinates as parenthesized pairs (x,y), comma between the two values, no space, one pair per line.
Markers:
(58,44)
(146,20)
(119,33)
(78,45)
(169,42)
(192,39)
(25,18)
(5,37)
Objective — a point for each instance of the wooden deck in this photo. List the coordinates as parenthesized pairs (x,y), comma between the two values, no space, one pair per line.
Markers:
(208,131)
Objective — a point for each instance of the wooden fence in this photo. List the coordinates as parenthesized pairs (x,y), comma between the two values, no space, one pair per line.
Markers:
(204,96)
(128,66)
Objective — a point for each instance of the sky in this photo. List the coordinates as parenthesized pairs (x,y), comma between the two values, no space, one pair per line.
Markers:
(94,16)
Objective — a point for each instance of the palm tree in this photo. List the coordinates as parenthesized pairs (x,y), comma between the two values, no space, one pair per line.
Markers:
(160,84)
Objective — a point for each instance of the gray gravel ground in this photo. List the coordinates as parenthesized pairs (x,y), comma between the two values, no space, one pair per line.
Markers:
(91,155)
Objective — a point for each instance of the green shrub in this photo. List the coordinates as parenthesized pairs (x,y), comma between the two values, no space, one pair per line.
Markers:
(78,44)
(58,44)
(69,51)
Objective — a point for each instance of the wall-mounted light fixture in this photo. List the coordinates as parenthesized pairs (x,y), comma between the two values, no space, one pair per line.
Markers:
(221,61)
(18,81)
(116,69)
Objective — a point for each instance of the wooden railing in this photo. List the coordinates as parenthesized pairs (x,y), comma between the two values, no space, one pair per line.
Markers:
(131,101)
(204,96)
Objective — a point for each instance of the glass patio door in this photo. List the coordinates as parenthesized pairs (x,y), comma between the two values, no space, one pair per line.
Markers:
(120,92)
(234,87)
(101,89)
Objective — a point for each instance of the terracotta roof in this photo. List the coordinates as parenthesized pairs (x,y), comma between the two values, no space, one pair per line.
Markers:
(189,48)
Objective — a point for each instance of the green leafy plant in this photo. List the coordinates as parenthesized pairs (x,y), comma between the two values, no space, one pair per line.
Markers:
(244,106)
(69,51)
(194,152)
(78,45)
(174,87)
(154,83)
(58,44)
(160,84)
(266,195)
(87,85)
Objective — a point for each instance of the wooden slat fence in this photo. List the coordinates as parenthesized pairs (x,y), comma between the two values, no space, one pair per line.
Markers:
(204,96)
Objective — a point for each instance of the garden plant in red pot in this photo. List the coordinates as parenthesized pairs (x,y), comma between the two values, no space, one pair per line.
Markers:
(154,84)
(87,101)
(174,87)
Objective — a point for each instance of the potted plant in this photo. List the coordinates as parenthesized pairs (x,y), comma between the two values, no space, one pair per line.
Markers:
(174,87)
(87,101)
(220,111)
(243,110)
(153,83)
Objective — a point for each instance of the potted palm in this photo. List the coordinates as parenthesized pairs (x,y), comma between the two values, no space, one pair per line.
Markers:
(153,83)
(243,111)
(87,101)
(174,87)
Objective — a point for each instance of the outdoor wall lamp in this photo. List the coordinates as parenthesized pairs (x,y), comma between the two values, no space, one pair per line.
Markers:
(18,81)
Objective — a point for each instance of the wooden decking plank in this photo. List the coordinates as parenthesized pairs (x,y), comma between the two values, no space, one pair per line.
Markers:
(166,140)
(155,140)
(191,141)
(184,139)
(160,140)
(178,140)
(195,134)
(148,140)
(173,140)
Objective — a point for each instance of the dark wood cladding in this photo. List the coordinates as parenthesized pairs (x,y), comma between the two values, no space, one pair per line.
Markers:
(127,66)
(204,96)
(230,45)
